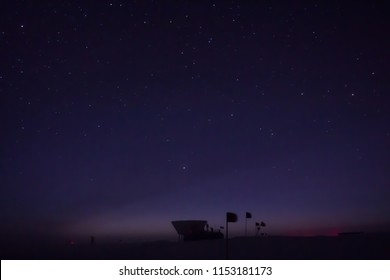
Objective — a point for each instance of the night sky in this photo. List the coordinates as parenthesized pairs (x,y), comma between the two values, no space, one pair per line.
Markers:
(120,116)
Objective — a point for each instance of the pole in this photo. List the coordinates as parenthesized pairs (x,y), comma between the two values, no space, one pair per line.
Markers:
(227,240)
(246,220)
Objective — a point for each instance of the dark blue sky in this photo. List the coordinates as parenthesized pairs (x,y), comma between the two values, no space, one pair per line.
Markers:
(118,117)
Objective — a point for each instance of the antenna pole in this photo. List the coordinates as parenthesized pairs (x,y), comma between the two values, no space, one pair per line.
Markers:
(227,240)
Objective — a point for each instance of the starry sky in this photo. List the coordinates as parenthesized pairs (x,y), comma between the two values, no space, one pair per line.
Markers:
(120,116)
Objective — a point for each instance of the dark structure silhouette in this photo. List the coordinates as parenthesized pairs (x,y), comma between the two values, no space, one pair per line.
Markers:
(230,218)
(194,230)
(259,226)
(248,215)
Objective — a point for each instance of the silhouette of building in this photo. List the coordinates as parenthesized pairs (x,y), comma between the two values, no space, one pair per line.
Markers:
(194,230)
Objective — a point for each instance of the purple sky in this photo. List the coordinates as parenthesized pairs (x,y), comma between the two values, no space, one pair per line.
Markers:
(119,117)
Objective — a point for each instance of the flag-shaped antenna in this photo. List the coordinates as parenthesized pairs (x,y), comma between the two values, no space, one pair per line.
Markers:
(247,216)
(230,218)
